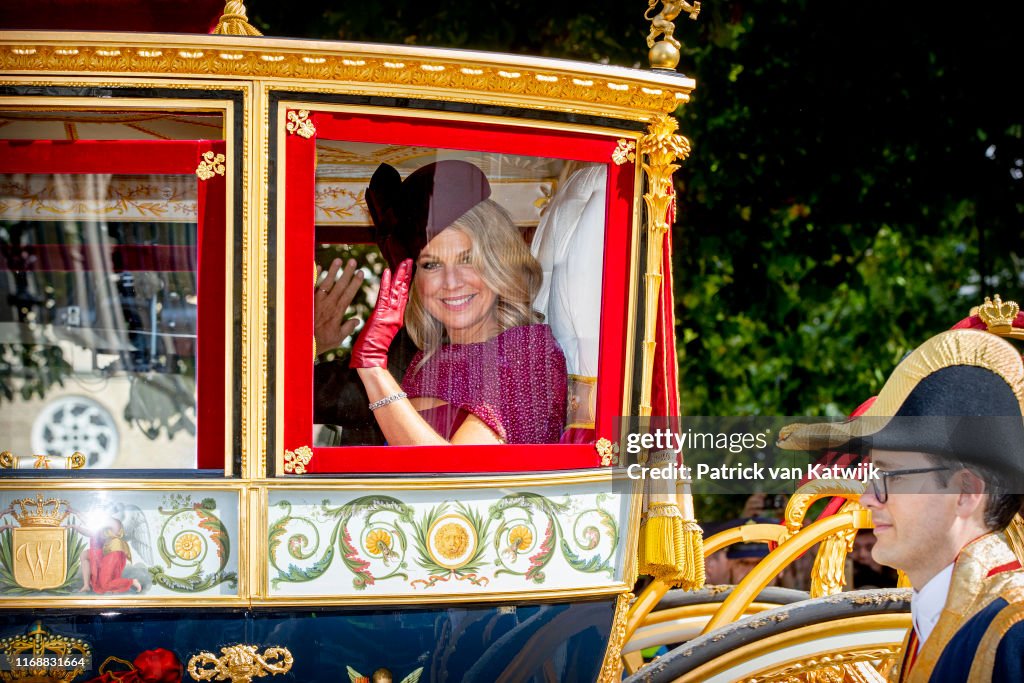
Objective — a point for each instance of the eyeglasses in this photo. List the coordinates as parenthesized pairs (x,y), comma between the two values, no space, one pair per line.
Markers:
(880,486)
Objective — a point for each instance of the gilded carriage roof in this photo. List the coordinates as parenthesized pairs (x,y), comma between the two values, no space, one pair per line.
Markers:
(363,68)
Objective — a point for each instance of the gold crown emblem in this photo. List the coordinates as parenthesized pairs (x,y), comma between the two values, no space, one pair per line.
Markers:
(39,643)
(998,315)
(39,512)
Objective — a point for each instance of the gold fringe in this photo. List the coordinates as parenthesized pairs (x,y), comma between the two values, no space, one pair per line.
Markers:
(902,581)
(641,547)
(1015,535)
(693,538)
(671,548)
(234,22)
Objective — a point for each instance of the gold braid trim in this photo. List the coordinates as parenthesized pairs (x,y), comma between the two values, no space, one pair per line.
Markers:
(985,658)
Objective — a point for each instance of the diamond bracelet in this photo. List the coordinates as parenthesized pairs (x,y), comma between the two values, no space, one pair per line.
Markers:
(388,399)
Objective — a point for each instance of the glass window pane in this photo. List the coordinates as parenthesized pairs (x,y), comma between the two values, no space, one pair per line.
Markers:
(98,303)
(502,326)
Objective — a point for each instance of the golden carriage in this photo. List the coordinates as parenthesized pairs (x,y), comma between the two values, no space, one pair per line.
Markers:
(169,485)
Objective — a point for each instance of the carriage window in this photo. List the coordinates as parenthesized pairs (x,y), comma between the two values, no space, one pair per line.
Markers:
(503,311)
(466,312)
(102,220)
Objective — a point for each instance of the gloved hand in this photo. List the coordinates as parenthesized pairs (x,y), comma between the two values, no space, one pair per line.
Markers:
(371,349)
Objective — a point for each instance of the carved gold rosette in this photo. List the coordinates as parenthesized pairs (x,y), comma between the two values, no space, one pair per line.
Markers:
(212,164)
(295,461)
(299,124)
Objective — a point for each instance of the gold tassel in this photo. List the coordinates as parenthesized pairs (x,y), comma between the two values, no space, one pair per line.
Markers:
(672,549)
(1015,535)
(902,580)
(693,558)
(234,22)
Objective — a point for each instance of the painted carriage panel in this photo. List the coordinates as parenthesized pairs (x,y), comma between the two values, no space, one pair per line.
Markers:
(430,544)
(64,544)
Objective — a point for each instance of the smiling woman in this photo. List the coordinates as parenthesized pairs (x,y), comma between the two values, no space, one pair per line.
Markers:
(487,371)
(503,329)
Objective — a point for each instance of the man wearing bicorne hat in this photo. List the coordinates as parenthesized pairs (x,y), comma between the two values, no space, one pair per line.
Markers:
(947,436)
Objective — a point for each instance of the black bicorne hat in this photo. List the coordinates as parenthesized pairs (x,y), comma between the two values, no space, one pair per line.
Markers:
(959,395)
(408,214)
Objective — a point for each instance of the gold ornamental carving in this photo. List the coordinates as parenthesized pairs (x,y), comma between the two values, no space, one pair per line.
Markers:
(813,491)
(299,124)
(212,164)
(295,462)
(39,544)
(828,575)
(9,461)
(998,316)
(466,81)
(839,666)
(611,668)
(624,151)
(660,149)
(240,664)
(41,642)
(608,451)
(665,54)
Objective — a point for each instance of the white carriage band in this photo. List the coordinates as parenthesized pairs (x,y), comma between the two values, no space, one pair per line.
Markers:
(388,399)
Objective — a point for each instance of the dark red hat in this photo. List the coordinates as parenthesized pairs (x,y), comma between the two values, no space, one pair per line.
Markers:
(408,214)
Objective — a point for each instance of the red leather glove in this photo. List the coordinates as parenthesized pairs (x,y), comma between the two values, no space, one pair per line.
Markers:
(371,349)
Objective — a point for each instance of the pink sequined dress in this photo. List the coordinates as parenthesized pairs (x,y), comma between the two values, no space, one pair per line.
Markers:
(514,383)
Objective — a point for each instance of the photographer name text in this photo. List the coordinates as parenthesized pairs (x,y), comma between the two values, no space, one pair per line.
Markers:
(752,472)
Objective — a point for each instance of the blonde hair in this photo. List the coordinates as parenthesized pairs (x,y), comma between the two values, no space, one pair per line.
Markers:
(504,262)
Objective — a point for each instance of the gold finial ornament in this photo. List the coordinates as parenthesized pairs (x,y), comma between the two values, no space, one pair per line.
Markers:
(665,54)
(234,21)
(240,664)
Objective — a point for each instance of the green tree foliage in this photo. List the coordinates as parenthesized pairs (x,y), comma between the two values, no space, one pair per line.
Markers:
(852,185)
(855,185)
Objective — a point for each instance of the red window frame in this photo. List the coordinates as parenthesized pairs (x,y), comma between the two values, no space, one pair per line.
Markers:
(178,157)
(299,243)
